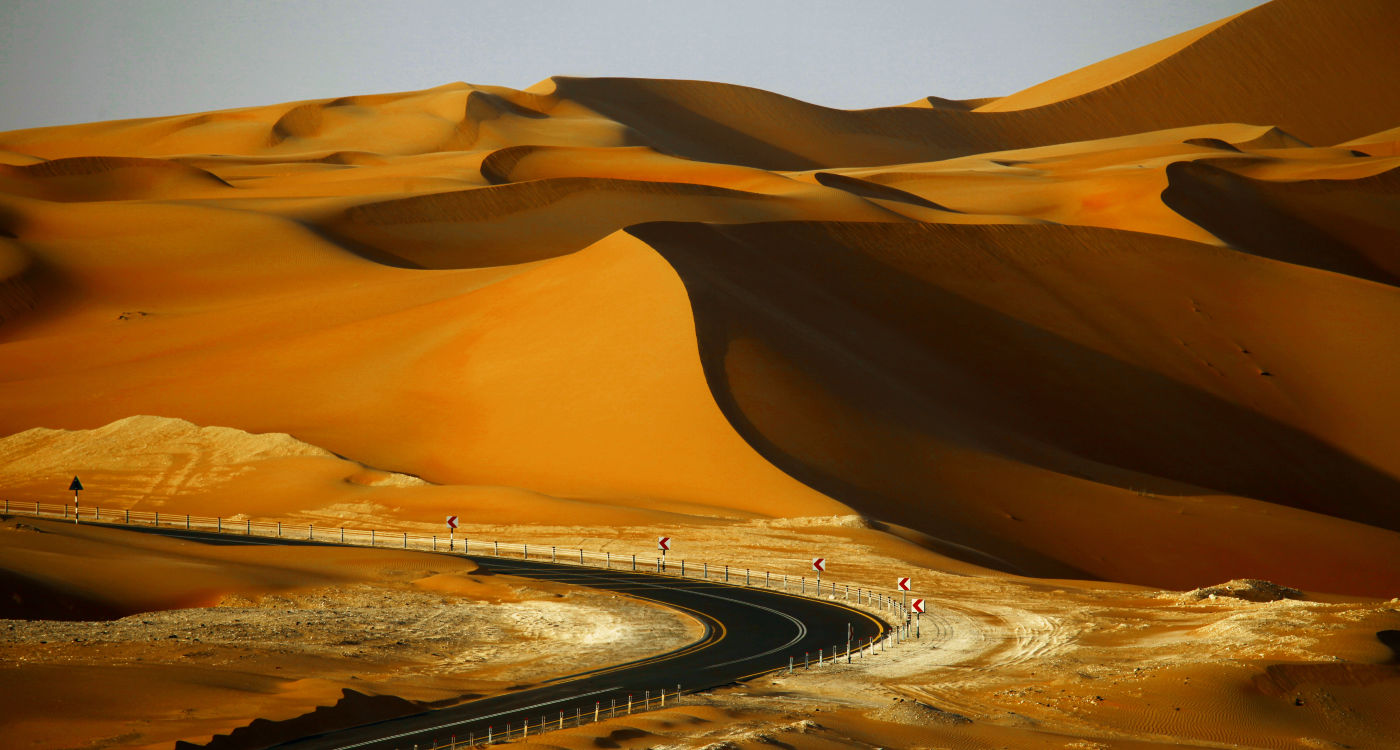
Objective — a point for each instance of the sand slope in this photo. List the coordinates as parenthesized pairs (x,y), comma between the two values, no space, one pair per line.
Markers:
(1127,324)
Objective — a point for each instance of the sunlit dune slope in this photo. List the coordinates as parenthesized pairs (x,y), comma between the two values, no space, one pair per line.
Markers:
(1128,324)
(493,377)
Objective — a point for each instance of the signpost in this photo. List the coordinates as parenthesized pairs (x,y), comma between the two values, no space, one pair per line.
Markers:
(76,487)
(819,565)
(918,615)
(904,587)
(451,532)
(663,543)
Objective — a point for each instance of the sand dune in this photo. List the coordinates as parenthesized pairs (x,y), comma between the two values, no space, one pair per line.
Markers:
(791,348)
(229,268)
(106,178)
(1129,325)
(1259,67)
(1350,227)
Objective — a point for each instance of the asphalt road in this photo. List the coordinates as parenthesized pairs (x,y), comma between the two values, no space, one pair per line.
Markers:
(748,631)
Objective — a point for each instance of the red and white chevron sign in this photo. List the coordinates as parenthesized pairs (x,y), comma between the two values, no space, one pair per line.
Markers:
(663,543)
(919,606)
(819,564)
(452,522)
(904,584)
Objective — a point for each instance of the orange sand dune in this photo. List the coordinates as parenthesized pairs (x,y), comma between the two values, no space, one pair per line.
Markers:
(1347,226)
(870,360)
(106,178)
(1131,325)
(275,320)
(513,223)
(1260,67)
(1120,325)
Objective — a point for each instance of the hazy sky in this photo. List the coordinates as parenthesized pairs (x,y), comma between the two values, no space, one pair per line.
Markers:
(64,61)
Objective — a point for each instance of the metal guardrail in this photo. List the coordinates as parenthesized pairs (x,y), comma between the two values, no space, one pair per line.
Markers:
(888,608)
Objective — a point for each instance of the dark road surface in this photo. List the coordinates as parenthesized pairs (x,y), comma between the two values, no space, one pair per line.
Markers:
(748,632)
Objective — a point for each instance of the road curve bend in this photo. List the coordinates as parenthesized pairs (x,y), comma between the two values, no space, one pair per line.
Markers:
(748,632)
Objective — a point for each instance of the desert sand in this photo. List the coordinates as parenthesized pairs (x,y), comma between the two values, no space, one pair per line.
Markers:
(1062,355)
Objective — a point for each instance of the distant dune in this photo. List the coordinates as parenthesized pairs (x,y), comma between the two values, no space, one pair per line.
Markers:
(1131,324)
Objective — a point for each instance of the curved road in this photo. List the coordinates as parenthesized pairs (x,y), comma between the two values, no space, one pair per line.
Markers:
(748,632)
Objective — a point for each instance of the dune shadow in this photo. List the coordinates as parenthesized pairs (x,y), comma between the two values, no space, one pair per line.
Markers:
(833,302)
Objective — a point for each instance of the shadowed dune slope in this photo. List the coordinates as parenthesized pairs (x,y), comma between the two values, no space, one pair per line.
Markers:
(864,358)
(483,227)
(1347,226)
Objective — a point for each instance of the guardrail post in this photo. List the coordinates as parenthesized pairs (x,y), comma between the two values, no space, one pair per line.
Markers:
(488,735)
(553,554)
(629,704)
(466,546)
(647,705)
(765,579)
(526,547)
(219,524)
(707,570)
(435,542)
(157,521)
(789,665)
(634,570)
(682,568)
(746,576)
(371,537)
(597,705)
(187,522)
(805,655)
(128,516)
(248,527)
(726,574)
(580,557)
(804,584)
(608,557)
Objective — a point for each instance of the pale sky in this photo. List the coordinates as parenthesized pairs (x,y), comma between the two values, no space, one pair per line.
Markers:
(67,61)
